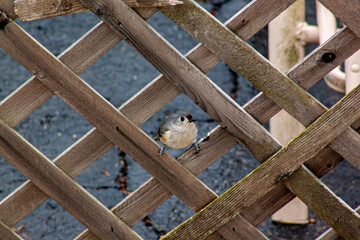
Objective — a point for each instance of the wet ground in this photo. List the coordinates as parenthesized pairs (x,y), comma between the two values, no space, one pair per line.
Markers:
(117,76)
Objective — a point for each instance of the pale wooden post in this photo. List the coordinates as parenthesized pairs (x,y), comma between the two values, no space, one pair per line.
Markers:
(285,50)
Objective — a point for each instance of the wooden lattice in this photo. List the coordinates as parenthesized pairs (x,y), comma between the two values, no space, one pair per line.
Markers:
(284,172)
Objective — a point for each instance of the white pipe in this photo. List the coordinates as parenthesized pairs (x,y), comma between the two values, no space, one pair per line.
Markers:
(327,27)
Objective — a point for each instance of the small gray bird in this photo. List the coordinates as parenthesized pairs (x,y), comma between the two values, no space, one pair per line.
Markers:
(177,131)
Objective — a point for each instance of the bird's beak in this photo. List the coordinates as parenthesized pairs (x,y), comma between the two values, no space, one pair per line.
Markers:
(192,120)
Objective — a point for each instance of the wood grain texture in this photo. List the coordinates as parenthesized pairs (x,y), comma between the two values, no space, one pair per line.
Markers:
(260,72)
(113,124)
(214,60)
(275,169)
(183,74)
(331,234)
(30,10)
(60,187)
(7,233)
(241,57)
(347,11)
(8,7)
(319,198)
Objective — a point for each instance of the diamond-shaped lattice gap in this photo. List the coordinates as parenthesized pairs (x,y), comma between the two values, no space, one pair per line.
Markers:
(10,178)
(12,74)
(174,34)
(50,221)
(57,34)
(119,74)
(232,83)
(53,127)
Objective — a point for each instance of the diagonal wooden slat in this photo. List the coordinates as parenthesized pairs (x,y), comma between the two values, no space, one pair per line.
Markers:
(169,171)
(265,177)
(5,231)
(124,210)
(347,11)
(299,74)
(124,21)
(17,206)
(259,71)
(103,115)
(330,234)
(319,198)
(55,183)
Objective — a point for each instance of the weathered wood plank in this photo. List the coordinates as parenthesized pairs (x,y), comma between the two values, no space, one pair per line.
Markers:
(86,151)
(212,147)
(8,7)
(347,11)
(324,202)
(30,10)
(330,234)
(211,59)
(256,69)
(56,184)
(113,124)
(275,169)
(183,74)
(7,233)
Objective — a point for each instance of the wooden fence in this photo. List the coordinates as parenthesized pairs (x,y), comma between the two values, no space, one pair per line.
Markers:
(285,172)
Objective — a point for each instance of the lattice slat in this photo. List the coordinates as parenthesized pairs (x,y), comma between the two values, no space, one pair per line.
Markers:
(179,71)
(324,202)
(265,177)
(257,70)
(60,187)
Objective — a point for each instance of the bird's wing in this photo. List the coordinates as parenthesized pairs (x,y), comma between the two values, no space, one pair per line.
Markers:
(161,131)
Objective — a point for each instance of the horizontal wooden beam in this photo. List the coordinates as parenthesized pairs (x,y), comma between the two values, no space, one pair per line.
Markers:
(277,168)
(30,10)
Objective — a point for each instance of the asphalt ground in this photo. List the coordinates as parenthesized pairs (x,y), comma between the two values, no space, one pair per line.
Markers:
(117,76)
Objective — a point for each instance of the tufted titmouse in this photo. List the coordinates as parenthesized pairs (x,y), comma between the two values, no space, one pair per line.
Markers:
(178,130)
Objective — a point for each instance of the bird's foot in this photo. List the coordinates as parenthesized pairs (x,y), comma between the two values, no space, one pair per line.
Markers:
(162,150)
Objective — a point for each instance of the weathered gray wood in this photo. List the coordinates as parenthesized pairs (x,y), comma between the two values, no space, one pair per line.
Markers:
(56,184)
(347,11)
(324,202)
(7,233)
(241,57)
(210,59)
(240,228)
(113,124)
(8,7)
(275,169)
(30,10)
(183,74)
(259,71)
(330,234)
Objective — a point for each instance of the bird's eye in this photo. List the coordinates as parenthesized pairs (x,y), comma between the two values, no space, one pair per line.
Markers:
(182,119)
